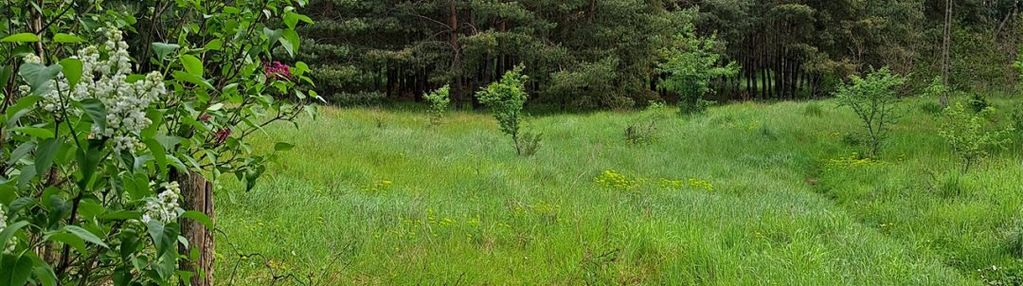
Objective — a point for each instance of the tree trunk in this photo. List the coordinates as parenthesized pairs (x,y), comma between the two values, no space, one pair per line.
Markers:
(456,61)
(946,45)
(198,196)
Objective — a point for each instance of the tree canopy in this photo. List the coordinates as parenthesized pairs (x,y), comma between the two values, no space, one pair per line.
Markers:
(604,53)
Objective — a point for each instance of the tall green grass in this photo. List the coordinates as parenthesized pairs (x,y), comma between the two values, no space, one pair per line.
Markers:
(381,197)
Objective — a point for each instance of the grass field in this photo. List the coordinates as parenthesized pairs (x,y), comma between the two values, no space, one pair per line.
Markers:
(745,194)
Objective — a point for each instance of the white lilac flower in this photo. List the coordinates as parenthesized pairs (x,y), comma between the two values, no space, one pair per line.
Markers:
(107,81)
(164,207)
(12,243)
(3,218)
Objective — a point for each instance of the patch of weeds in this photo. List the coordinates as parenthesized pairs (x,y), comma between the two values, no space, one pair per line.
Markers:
(852,139)
(378,186)
(691,183)
(1004,275)
(931,107)
(1017,119)
(701,184)
(948,185)
(747,125)
(813,109)
(596,266)
(528,143)
(644,130)
(1013,238)
(724,119)
(614,180)
(640,133)
(855,160)
(767,132)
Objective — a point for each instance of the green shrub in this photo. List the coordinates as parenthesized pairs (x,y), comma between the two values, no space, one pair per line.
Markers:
(589,85)
(936,89)
(689,65)
(505,99)
(439,102)
(873,99)
(978,103)
(935,93)
(1017,118)
(971,134)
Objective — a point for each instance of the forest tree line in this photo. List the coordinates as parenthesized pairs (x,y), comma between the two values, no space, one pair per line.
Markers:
(604,53)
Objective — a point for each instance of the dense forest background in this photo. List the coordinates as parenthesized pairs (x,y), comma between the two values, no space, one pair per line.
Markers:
(604,53)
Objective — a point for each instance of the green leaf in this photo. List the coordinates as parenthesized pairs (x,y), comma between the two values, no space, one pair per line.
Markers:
(291,19)
(199,217)
(96,111)
(41,133)
(155,230)
(215,107)
(193,79)
(176,163)
(88,160)
(21,38)
(281,146)
(300,68)
(20,268)
(166,264)
(192,65)
(9,231)
(168,142)
(272,35)
(214,45)
(290,41)
(120,215)
(136,185)
(44,274)
(132,78)
(156,116)
(89,208)
(164,49)
(70,239)
(66,38)
(85,235)
(5,74)
(27,174)
(39,76)
(72,69)
(159,154)
(45,153)
(305,19)
(22,107)
(252,176)
(20,152)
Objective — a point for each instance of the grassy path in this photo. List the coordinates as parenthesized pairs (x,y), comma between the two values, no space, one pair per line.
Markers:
(748,194)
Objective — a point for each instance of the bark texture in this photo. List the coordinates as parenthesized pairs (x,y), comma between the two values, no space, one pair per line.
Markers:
(197,193)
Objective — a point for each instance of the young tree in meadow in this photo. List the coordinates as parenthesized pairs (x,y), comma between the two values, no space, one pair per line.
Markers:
(689,65)
(439,103)
(873,99)
(970,134)
(505,99)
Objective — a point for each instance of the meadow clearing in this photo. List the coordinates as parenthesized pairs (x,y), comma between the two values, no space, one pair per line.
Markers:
(748,193)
